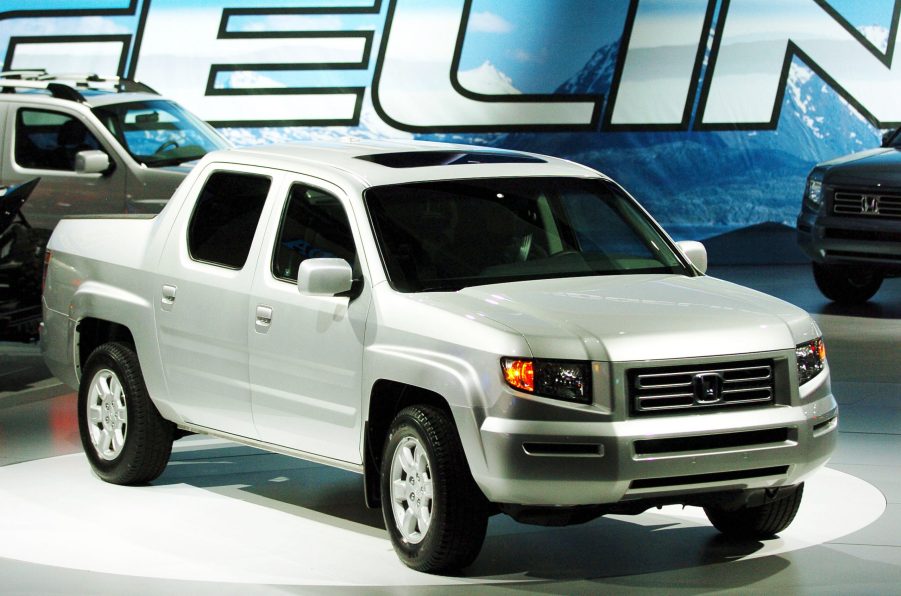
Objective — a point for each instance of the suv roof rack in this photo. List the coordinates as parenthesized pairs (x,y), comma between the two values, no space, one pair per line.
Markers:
(66,86)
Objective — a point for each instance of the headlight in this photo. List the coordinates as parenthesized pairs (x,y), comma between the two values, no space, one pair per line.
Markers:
(813,194)
(559,379)
(811,357)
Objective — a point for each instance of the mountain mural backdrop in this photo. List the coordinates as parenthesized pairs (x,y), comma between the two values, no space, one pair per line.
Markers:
(696,183)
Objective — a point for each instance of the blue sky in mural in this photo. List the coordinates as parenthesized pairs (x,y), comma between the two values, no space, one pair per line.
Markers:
(539,43)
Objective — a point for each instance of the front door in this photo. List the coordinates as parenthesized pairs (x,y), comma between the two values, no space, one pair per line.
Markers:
(44,144)
(306,352)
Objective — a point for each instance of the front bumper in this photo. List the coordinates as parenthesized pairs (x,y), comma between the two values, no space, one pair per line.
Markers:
(568,463)
(838,240)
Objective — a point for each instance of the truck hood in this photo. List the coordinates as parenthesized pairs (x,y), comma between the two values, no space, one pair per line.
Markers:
(864,168)
(635,317)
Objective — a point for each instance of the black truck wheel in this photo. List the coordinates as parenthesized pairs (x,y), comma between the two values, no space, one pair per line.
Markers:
(435,514)
(123,435)
(847,284)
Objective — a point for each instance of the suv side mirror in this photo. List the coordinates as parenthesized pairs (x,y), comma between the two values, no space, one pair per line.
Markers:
(324,277)
(91,161)
(695,253)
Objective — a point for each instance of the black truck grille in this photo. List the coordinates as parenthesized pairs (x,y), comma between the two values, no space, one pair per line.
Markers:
(866,204)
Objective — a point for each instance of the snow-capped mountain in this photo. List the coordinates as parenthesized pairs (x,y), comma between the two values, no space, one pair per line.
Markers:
(488,80)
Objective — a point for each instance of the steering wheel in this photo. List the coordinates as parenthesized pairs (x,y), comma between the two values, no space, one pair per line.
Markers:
(170,144)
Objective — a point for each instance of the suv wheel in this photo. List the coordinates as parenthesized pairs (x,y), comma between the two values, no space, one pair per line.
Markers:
(763,521)
(847,284)
(435,514)
(123,435)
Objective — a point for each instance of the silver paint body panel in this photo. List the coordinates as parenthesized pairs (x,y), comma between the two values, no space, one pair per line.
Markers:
(302,383)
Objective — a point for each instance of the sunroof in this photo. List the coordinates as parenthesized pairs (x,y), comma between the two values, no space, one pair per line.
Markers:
(422,159)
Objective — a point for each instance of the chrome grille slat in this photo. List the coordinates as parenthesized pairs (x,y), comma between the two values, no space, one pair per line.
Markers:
(853,203)
(664,389)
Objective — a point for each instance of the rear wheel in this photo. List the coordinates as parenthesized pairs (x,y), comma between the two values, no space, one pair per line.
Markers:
(123,435)
(435,514)
(762,521)
(847,284)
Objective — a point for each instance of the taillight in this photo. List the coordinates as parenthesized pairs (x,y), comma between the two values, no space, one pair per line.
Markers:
(47,255)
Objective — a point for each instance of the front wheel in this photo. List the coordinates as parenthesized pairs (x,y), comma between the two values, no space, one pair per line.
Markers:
(762,521)
(123,435)
(847,284)
(435,514)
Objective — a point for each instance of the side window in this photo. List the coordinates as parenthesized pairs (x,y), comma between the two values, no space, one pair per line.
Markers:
(225,218)
(313,225)
(48,140)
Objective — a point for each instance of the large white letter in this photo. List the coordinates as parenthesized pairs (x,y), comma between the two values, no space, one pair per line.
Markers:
(747,78)
(662,63)
(416,87)
(184,49)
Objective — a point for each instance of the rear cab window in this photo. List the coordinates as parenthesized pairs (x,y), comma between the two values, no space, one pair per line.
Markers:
(225,218)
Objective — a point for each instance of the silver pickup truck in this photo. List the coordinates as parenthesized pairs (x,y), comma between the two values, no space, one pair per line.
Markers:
(475,331)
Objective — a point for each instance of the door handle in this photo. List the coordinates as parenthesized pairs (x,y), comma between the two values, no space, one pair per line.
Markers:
(168,298)
(264,318)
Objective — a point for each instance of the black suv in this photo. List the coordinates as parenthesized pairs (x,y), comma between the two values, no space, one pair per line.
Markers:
(850,221)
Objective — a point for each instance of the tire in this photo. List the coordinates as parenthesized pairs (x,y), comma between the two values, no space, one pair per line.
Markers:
(763,521)
(424,472)
(123,435)
(847,284)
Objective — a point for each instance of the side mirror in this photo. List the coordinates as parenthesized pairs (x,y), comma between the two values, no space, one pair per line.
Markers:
(695,253)
(888,136)
(91,162)
(324,277)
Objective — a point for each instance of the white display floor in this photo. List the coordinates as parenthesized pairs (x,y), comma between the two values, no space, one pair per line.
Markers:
(226,520)
(236,515)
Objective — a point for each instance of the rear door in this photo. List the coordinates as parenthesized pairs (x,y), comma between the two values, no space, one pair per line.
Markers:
(203,296)
(306,352)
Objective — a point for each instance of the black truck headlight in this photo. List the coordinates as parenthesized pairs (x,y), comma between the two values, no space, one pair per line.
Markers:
(811,357)
(558,379)
(813,193)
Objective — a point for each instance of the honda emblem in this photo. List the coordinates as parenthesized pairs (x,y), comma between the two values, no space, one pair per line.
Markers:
(869,205)
(708,388)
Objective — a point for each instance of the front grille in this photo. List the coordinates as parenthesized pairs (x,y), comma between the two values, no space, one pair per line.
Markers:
(753,438)
(865,235)
(866,204)
(705,478)
(670,389)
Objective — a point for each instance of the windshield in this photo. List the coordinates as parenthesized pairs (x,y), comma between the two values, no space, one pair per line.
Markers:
(447,235)
(159,132)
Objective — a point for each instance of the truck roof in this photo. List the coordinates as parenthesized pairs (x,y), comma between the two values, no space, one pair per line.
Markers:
(87,88)
(377,162)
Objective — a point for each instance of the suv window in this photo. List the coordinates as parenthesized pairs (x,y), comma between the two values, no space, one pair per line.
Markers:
(313,225)
(225,218)
(48,140)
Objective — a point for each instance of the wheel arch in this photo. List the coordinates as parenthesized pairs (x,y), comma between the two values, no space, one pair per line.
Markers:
(386,399)
(92,332)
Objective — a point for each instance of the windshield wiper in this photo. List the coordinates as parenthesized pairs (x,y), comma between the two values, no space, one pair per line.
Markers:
(173,161)
(442,288)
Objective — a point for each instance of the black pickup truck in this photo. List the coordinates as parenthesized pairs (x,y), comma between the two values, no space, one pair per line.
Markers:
(850,221)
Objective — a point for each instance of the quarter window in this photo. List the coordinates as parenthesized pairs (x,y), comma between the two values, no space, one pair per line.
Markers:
(47,140)
(226,217)
(314,225)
